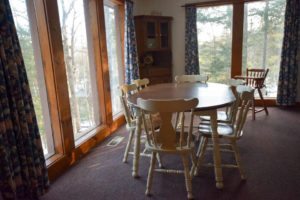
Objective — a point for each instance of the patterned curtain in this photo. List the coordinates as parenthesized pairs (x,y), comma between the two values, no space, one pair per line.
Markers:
(290,55)
(131,57)
(191,41)
(23,173)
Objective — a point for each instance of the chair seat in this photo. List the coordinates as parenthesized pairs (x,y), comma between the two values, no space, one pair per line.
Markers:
(224,130)
(222,116)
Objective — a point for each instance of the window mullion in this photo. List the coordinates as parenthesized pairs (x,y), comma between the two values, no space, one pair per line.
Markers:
(237,39)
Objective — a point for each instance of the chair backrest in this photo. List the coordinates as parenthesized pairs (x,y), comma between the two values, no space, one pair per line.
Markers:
(245,95)
(191,78)
(164,138)
(141,83)
(128,89)
(232,110)
(256,73)
(125,91)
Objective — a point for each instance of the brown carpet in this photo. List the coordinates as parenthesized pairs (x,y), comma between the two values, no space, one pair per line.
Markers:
(270,154)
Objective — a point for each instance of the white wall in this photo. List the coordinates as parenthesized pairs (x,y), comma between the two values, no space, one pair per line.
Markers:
(173,8)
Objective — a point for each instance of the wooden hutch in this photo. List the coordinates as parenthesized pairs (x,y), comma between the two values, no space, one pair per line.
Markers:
(153,35)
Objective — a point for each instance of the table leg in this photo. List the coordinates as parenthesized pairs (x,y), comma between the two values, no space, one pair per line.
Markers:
(137,144)
(216,150)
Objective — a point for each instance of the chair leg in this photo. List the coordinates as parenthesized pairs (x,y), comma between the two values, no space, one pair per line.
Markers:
(131,132)
(263,101)
(159,160)
(238,160)
(194,161)
(150,173)
(200,154)
(178,120)
(188,181)
(253,108)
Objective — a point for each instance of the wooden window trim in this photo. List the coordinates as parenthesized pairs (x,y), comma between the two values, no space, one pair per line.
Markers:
(119,11)
(50,78)
(41,79)
(237,39)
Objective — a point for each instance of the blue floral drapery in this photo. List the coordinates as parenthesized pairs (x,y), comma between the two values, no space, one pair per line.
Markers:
(131,56)
(290,55)
(191,41)
(23,173)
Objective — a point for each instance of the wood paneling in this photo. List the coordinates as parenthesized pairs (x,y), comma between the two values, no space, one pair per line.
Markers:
(101,40)
(49,75)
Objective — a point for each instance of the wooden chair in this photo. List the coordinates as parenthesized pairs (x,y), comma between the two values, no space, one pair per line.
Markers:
(191,78)
(129,113)
(228,115)
(229,132)
(188,79)
(165,140)
(126,90)
(256,78)
(141,83)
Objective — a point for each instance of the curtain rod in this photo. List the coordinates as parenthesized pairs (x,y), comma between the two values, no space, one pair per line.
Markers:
(217,2)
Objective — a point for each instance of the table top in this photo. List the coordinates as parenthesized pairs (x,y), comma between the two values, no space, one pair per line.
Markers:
(210,95)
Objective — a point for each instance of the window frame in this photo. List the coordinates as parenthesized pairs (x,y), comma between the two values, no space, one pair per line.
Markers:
(67,150)
(93,76)
(42,80)
(121,71)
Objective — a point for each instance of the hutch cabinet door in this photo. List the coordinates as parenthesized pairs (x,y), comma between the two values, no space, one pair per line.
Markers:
(164,34)
(151,34)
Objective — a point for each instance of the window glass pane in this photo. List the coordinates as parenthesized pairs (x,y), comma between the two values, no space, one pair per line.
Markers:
(27,33)
(263,34)
(214,28)
(114,56)
(80,68)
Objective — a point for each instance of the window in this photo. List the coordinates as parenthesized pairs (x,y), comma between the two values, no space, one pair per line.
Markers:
(69,91)
(80,68)
(214,28)
(263,34)
(27,33)
(114,56)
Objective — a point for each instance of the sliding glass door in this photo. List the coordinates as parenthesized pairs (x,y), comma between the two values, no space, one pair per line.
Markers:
(214,28)
(262,39)
(262,33)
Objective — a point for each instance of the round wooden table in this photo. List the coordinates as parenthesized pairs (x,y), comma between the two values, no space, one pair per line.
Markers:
(211,96)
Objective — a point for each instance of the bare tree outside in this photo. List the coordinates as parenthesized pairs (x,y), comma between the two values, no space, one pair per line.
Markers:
(84,109)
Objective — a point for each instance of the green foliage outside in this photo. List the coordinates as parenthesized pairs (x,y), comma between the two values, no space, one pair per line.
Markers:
(262,40)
